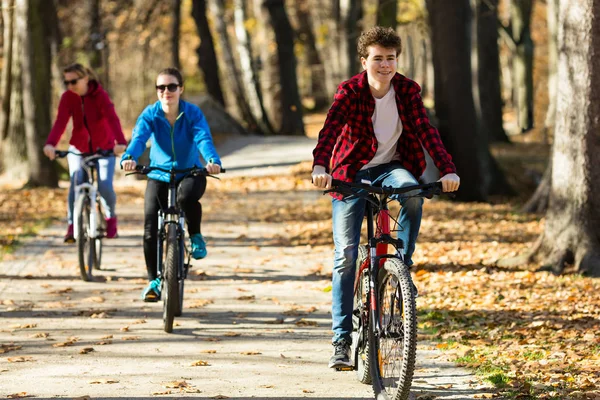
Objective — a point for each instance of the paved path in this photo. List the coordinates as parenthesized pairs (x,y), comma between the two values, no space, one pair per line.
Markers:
(256,311)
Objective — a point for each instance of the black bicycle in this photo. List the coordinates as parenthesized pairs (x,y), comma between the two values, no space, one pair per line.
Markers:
(384,337)
(173,257)
(89,223)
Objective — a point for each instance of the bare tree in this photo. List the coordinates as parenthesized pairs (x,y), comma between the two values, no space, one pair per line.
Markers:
(488,71)
(207,59)
(571,230)
(249,74)
(282,93)
(311,63)
(387,11)
(518,38)
(454,104)
(175,28)
(97,44)
(13,151)
(34,26)
(539,200)
(235,82)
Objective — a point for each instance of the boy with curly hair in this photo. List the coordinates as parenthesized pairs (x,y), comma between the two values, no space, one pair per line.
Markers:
(375,129)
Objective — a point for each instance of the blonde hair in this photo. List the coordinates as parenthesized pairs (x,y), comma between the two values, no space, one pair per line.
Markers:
(81,71)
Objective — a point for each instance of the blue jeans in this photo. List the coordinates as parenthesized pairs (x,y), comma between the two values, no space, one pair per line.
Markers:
(105,172)
(348,215)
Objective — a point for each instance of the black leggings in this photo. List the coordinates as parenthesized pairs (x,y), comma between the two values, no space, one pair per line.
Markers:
(189,190)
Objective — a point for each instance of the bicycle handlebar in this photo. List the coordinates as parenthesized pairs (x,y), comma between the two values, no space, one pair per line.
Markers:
(350,188)
(97,153)
(145,170)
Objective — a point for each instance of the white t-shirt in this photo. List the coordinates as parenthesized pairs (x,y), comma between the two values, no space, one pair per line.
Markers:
(388,128)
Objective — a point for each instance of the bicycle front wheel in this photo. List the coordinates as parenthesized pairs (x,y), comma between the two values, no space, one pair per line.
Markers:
(170,279)
(393,368)
(182,274)
(360,319)
(86,246)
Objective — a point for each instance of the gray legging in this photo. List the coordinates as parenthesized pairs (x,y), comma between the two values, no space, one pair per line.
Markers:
(106,171)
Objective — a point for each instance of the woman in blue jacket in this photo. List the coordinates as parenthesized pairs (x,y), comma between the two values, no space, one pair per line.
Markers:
(180,135)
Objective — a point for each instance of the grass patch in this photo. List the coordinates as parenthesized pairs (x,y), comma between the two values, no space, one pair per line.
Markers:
(534,355)
(10,241)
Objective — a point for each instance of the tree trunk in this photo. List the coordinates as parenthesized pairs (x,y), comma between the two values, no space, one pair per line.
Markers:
(6,73)
(552,9)
(488,72)
(175,27)
(348,13)
(33,25)
(454,104)
(249,74)
(235,82)
(207,59)
(538,202)
(14,151)
(314,67)
(96,43)
(571,230)
(387,11)
(289,107)
(523,62)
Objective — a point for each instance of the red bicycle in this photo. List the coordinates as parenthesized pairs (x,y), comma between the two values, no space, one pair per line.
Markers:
(384,337)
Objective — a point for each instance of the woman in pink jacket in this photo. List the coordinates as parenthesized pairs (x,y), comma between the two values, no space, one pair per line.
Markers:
(95,126)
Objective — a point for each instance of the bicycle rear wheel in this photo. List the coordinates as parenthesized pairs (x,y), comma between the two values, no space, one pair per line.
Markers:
(182,274)
(170,283)
(99,236)
(360,320)
(396,345)
(86,247)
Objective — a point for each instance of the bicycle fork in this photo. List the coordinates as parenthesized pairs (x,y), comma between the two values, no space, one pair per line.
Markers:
(81,192)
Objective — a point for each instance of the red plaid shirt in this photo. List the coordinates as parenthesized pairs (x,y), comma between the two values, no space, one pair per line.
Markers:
(348,131)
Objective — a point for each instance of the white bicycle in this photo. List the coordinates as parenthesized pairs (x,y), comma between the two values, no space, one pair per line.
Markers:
(89,223)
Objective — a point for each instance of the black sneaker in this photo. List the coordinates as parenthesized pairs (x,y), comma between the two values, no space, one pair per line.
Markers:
(341,355)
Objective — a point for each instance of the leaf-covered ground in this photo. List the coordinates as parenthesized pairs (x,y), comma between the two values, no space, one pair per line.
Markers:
(533,335)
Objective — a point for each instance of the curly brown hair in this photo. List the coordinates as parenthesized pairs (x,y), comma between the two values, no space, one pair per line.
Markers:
(381,36)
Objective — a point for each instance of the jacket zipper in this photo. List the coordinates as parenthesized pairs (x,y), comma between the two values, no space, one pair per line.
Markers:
(173,136)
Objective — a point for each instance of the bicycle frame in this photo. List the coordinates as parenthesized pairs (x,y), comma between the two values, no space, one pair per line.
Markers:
(379,239)
(90,190)
(171,215)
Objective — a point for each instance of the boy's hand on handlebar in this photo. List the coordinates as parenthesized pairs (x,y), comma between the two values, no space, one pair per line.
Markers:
(50,151)
(213,169)
(119,148)
(450,182)
(320,177)
(129,165)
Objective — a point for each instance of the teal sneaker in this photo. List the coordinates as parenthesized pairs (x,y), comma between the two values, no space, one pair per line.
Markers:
(198,246)
(152,293)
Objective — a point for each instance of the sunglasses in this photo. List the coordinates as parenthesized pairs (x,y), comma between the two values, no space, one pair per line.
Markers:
(71,82)
(172,87)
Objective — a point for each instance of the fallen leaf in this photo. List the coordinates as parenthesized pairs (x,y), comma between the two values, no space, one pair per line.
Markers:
(307,391)
(304,322)
(246,298)
(24,326)
(103,381)
(250,353)
(199,363)
(231,334)
(86,350)
(131,338)
(20,395)
(19,359)
(208,351)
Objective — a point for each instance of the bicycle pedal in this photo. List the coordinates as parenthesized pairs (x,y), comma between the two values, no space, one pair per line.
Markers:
(344,369)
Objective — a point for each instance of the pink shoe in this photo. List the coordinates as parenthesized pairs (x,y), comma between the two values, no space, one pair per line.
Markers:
(111,228)
(69,238)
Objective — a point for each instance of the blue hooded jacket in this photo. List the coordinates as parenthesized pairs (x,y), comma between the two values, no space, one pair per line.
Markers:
(176,147)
